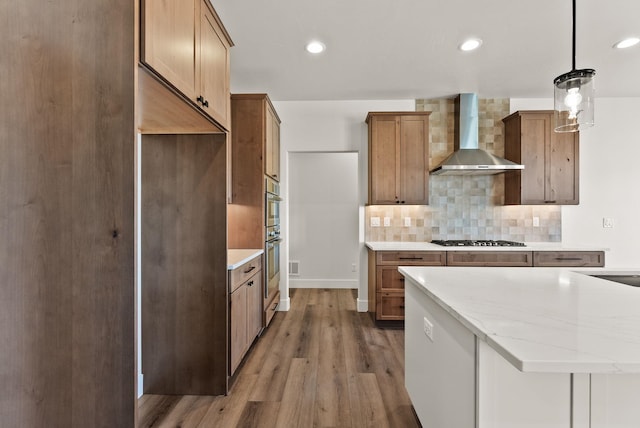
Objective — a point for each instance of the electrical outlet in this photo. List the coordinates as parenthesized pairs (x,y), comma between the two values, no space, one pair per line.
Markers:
(375,221)
(607,222)
(387,221)
(428,328)
(536,222)
(407,222)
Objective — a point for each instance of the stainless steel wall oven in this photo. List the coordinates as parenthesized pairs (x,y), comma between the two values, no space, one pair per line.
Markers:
(272,239)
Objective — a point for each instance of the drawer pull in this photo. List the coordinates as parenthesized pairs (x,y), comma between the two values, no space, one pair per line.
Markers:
(409,258)
(250,269)
(275,305)
(568,259)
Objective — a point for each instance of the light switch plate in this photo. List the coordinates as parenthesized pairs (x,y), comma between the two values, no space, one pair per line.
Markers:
(407,222)
(607,222)
(375,221)
(387,221)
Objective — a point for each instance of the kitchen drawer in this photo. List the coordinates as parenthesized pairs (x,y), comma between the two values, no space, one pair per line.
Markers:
(390,305)
(245,271)
(568,258)
(389,278)
(408,258)
(489,258)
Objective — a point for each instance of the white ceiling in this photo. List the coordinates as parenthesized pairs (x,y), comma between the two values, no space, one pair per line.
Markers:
(407,49)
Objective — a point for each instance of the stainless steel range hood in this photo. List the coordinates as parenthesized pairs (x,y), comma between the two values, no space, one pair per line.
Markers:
(467,158)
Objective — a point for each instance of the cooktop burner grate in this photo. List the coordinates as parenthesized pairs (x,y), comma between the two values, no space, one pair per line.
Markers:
(476,243)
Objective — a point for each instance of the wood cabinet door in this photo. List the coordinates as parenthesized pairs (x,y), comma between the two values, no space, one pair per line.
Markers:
(214,68)
(384,161)
(272,144)
(389,278)
(390,306)
(238,326)
(169,42)
(255,295)
(414,158)
(562,168)
(534,140)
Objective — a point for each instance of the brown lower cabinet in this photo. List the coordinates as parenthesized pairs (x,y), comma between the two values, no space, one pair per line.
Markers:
(245,320)
(387,284)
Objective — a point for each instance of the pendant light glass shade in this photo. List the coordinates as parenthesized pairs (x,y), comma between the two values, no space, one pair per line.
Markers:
(573,100)
(574,94)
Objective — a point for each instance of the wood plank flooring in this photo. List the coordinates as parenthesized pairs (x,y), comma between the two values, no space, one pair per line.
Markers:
(321,364)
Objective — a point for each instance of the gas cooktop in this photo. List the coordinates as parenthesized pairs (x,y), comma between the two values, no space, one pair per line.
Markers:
(477,243)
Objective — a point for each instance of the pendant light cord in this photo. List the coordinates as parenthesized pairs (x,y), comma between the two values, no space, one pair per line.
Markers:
(573,64)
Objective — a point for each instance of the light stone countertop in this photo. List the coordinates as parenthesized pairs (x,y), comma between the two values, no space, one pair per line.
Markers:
(542,319)
(236,258)
(529,246)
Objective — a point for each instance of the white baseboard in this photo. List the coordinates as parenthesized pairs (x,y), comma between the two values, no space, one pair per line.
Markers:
(323,283)
(362,305)
(285,305)
(140,385)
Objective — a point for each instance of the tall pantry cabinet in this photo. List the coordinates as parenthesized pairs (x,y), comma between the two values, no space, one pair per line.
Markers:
(75,103)
(256,155)
(67,135)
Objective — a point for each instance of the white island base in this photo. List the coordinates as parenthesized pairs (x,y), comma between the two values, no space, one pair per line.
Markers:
(459,380)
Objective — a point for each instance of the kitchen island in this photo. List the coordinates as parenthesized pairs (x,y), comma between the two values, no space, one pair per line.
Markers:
(521,347)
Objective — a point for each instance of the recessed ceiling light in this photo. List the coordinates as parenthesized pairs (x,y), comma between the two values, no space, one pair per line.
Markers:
(315,47)
(627,43)
(470,44)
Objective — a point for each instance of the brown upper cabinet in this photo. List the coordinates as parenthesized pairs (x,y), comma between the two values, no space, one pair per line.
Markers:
(550,159)
(272,144)
(398,158)
(187,45)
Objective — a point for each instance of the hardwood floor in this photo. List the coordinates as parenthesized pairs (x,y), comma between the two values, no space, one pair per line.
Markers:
(322,364)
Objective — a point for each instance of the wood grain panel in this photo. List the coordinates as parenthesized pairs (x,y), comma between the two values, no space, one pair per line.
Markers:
(564,175)
(535,137)
(66,214)
(184,272)
(169,35)
(214,66)
(162,110)
(489,258)
(414,159)
(384,136)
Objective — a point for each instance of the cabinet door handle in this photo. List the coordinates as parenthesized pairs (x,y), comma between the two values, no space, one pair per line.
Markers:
(205,103)
(401,306)
(549,202)
(200,99)
(401,279)
(275,305)
(250,269)
(250,284)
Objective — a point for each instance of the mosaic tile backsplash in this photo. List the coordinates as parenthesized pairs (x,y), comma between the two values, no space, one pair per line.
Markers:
(465,207)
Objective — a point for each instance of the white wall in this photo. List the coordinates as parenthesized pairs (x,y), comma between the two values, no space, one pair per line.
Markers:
(327,126)
(609,180)
(323,226)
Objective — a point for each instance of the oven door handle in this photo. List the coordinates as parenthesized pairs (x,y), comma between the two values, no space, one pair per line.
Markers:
(274,241)
(272,197)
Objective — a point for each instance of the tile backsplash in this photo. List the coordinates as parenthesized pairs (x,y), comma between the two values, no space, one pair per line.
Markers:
(465,207)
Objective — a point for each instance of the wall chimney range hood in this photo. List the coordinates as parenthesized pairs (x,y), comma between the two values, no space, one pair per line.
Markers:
(467,158)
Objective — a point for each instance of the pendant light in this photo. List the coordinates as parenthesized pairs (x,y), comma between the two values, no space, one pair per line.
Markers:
(574,94)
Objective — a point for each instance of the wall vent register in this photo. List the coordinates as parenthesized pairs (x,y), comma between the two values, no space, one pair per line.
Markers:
(477,243)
